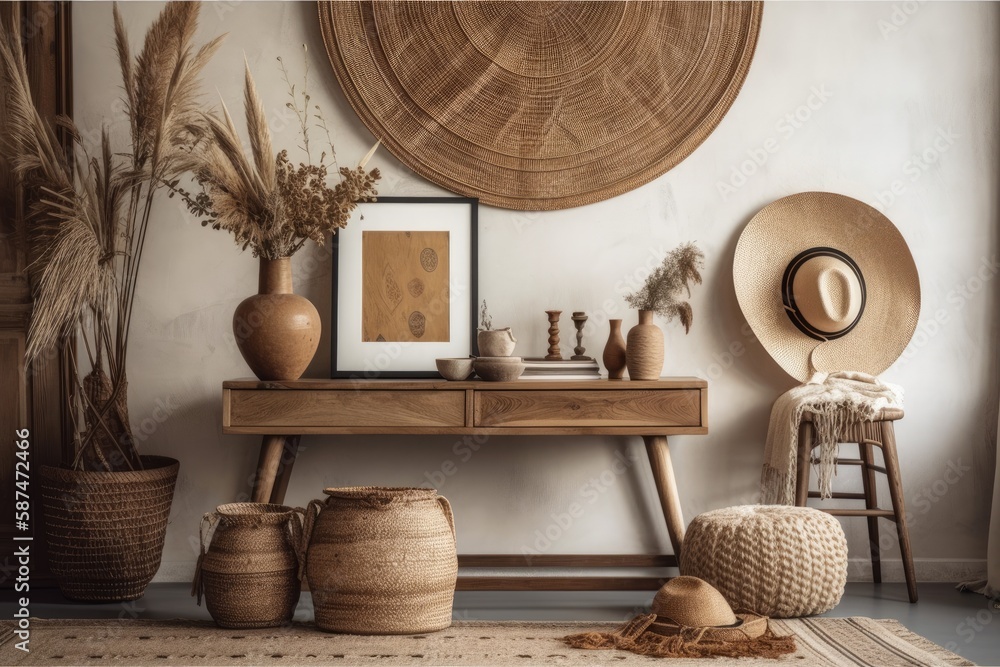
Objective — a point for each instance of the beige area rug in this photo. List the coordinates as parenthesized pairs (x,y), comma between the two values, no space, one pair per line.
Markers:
(822,641)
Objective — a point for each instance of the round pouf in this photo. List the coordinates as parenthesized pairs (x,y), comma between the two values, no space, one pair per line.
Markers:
(772,560)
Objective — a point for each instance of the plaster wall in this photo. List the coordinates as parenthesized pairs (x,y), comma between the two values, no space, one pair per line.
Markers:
(891,103)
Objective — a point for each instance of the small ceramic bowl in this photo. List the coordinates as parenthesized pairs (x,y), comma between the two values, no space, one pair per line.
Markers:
(455,369)
(498,369)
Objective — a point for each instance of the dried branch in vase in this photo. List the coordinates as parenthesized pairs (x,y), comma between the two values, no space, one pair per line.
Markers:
(485,319)
(270,204)
(90,215)
(664,287)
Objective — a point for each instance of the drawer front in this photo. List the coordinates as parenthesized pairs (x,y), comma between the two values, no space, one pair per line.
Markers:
(542,409)
(340,409)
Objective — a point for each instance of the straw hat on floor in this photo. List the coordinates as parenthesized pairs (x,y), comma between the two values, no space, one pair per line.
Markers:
(690,618)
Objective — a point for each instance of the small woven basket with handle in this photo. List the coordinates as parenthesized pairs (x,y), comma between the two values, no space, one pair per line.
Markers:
(250,572)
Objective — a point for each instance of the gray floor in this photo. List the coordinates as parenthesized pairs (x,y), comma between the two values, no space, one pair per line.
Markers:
(966,623)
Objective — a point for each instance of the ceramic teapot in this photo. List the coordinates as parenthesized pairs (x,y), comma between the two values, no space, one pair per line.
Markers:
(496,342)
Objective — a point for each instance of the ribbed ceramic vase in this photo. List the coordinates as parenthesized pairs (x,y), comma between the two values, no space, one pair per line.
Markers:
(249,574)
(614,352)
(277,330)
(381,561)
(644,349)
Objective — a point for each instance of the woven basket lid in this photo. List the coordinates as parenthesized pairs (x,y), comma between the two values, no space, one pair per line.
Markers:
(540,105)
(779,234)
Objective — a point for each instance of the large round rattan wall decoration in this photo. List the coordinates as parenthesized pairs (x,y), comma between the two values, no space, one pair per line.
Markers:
(540,105)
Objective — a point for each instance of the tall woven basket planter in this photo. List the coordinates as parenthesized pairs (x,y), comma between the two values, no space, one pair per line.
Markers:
(250,572)
(381,560)
(105,530)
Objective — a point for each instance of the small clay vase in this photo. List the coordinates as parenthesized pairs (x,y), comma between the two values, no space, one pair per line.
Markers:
(276,330)
(644,350)
(496,342)
(614,352)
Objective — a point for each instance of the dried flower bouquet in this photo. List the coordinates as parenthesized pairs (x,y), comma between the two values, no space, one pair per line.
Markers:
(664,287)
(268,203)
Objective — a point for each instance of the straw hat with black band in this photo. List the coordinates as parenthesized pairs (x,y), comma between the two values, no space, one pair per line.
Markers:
(827,283)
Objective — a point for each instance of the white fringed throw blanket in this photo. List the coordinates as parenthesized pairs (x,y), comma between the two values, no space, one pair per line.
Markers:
(836,401)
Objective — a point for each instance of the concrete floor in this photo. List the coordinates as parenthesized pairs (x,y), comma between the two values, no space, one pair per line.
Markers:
(965,623)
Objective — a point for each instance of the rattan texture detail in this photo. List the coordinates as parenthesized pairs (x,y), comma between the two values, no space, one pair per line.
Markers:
(251,571)
(540,105)
(772,560)
(381,560)
(105,530)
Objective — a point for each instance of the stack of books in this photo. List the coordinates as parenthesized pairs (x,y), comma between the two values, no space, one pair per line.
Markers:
(537,368)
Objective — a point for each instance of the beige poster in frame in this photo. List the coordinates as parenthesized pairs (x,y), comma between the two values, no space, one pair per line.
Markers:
(404,274)
(404,287)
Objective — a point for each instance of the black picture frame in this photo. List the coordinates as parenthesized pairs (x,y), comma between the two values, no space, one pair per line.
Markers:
(339,368)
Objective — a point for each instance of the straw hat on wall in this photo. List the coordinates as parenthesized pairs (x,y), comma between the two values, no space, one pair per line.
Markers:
(827,283)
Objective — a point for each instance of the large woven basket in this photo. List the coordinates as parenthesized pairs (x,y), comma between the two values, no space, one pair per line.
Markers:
(249,572)
(381,560)
(105,530)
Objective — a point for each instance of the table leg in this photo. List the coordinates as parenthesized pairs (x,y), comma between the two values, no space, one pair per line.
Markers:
(288,454)
(268,463)
(666,486)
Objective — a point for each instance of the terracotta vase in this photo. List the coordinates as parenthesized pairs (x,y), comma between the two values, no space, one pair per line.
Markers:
(277,331)
(644,351)
(614,352)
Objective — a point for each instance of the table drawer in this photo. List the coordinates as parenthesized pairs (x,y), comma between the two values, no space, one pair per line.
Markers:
(540,409)
(341,409)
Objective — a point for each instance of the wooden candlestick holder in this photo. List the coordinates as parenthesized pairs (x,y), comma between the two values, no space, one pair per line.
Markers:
(580,320)
(554,353)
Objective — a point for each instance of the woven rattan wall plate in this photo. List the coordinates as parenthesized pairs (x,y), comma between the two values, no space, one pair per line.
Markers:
(540,105)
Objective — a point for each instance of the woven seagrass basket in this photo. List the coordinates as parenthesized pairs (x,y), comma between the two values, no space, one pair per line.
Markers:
(250,572)
(105,530)
(381,560)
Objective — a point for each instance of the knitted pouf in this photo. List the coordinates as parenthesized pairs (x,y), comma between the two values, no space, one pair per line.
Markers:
(772,560)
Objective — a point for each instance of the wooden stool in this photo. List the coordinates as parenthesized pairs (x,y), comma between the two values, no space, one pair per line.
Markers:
(868,435)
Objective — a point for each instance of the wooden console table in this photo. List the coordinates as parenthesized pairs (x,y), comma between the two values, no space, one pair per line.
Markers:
(284,411)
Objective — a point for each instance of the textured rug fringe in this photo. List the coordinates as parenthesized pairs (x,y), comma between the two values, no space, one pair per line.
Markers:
(767,646)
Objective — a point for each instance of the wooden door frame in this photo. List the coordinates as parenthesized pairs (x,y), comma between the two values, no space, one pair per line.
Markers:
(40,389)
